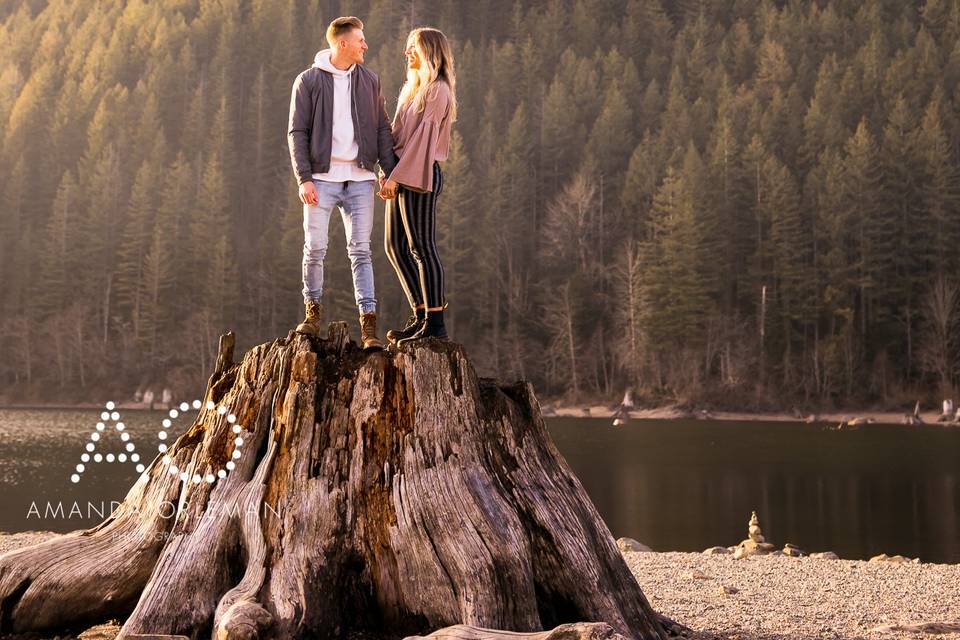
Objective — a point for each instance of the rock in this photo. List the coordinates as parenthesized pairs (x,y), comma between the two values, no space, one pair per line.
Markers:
(948,412)
(825,555)
(107,631)
(777,553)
(755,544)
(895,559)
(696,574)
(749,548)
(717,551)
(724,590)
(753,528)
(919,627)
(569,631)
(629,544)
(793,551)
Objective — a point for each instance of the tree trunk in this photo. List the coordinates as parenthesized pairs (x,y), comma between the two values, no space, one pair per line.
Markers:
(382,493)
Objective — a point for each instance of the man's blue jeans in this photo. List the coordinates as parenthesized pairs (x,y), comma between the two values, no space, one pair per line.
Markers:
(355,200)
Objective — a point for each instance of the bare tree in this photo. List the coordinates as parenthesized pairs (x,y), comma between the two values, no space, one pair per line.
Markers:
(567,231)
(559,317)
(628,280)
(936,350)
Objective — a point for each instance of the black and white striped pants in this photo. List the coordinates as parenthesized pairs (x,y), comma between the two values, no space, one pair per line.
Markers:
(411,243)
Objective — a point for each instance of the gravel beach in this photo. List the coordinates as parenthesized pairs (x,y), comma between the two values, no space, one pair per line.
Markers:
(765,597)
(784,598)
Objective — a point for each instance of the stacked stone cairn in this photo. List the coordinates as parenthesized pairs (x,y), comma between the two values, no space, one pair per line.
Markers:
(755,544)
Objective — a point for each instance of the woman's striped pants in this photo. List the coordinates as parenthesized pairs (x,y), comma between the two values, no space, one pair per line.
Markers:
(411,243)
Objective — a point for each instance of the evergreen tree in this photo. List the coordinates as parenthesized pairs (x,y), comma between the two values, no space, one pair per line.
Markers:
(940,190)
(674,274)
(134,243)
(61,259)
(210,244)
(612,140)
(791,275)
(13,226)
(457,245)
(901,211)
(870,234)
(809,148)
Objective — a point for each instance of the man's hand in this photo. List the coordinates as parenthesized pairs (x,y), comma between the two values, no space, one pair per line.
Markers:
(388,189)
(308,193)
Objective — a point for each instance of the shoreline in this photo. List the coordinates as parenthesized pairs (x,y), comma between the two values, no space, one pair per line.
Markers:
(764,597)
(673,412)
(10,540)
(665,412)
(157,406)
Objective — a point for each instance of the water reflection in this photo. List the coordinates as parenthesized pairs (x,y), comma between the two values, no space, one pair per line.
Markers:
(39,450)
(688,485)
(675,485)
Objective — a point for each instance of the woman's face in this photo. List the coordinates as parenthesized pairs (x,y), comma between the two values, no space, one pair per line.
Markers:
(413,55)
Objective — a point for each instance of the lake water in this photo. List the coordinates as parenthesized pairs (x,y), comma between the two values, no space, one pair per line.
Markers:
(674,485)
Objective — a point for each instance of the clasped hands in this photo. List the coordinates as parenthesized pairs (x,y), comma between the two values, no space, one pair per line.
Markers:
(388,188)
(308,191)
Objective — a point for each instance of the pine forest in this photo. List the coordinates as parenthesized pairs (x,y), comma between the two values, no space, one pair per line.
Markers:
(741,203)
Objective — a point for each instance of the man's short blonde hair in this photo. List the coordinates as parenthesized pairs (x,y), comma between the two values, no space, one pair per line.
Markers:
(341,26)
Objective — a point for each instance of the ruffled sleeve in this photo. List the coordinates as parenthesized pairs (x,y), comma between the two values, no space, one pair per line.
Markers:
(415,168)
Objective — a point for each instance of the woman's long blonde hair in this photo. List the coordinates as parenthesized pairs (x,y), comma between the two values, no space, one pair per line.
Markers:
(436,63)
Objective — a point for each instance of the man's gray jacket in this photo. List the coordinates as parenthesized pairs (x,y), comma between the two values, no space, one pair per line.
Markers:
(310,133)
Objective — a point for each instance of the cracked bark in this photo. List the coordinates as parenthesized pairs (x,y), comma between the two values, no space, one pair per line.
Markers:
(386,494)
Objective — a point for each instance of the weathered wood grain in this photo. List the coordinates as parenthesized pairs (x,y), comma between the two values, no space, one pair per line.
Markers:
(573,631)
(386,493)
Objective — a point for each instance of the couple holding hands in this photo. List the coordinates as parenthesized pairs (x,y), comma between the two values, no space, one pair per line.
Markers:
(338,132)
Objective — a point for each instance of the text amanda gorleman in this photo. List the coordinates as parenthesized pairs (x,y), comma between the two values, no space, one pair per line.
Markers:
(165,509)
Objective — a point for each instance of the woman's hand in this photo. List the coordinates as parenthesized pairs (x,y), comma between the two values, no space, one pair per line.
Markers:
(388,189)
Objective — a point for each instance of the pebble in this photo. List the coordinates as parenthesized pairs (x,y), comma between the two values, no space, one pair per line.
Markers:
(784,598)
(777,597)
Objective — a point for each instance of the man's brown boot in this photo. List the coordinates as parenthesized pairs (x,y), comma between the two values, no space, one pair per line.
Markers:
(311,322)
(368,331)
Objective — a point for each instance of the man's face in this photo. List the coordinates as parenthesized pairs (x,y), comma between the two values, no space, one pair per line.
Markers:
(352,45)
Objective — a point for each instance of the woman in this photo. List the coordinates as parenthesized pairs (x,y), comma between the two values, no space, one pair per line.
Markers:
(421,130)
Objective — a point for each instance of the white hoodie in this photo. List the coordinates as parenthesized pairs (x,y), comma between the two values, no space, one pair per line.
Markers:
(343,147)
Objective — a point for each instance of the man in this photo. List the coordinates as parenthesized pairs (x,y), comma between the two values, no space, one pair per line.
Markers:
(338,132)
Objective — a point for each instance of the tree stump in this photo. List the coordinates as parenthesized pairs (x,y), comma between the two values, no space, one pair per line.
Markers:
(382,494)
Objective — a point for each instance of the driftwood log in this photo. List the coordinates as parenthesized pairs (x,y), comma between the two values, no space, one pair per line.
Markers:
(377,494)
